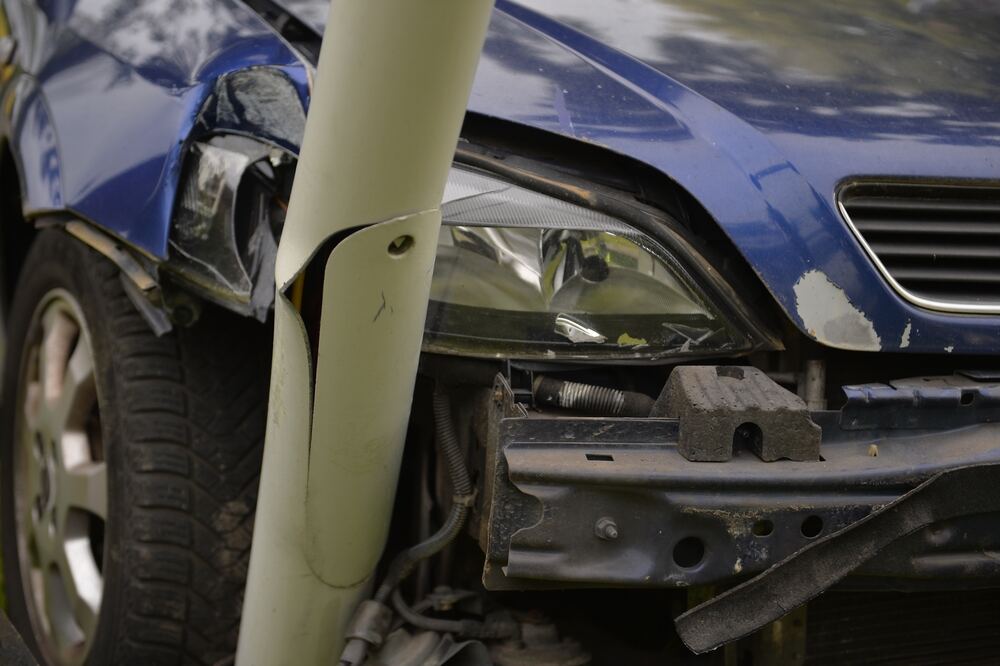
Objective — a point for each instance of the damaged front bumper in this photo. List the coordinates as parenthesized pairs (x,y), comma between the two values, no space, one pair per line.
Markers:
(576,502)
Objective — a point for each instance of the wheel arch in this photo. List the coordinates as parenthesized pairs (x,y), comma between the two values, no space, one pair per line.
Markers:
(16,233)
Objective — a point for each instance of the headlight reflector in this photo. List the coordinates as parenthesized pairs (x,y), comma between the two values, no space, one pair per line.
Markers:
(523,275)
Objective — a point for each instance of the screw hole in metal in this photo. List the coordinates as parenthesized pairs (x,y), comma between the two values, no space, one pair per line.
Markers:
(763,528)
(812,527)
(689,552)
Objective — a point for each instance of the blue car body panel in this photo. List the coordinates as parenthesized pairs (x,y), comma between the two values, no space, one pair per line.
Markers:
(759,110)
(764,147)
(110,93)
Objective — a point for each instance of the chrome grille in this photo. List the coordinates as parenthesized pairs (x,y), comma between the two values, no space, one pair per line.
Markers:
(938,245)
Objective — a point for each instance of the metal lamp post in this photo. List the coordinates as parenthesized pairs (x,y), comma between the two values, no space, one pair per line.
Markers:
(391,89)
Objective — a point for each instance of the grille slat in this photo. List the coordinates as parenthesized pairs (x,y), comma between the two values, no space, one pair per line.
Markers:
(946,275)
(890,248)
(938,201)
(916,226)
(939,243)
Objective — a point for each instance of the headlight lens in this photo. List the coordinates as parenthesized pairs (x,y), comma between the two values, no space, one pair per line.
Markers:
(523,275)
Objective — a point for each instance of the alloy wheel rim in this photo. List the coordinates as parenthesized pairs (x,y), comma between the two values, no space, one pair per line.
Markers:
(60,483)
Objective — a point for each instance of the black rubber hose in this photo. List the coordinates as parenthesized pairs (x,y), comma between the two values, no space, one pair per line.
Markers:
(447,441)
(356,649)
(468,628)
(464,628)
(590,399)
(451,451)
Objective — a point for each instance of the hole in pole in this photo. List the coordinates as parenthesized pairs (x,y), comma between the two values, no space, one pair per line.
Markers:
(400,245)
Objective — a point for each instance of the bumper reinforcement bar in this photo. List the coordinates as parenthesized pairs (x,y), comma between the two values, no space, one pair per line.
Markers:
(585,502)
(903,487)
(806,574)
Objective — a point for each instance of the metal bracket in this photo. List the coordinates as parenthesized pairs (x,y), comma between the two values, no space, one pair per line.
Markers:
(922,402)
(506,509)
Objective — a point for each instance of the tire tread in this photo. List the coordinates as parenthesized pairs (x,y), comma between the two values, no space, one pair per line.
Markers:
(190,410)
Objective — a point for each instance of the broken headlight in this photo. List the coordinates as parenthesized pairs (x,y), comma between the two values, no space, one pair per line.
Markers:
(227,221)
(523,275)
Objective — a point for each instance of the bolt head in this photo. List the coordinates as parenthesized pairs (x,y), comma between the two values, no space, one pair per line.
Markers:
(606,529)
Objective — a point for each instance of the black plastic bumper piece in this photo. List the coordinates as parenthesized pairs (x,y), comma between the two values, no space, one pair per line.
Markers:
(577,502)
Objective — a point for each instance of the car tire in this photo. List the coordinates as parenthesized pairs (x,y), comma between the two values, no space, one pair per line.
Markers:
(179,432)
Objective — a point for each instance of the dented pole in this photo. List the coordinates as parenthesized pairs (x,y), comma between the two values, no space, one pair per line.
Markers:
(392,85)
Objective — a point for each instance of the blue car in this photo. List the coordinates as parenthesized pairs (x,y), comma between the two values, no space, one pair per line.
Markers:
(716,303)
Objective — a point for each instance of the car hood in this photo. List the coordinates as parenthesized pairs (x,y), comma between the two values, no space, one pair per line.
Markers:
(761,110)
(844,82)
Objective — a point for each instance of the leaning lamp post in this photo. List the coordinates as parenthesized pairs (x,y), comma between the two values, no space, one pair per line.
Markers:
(390,93)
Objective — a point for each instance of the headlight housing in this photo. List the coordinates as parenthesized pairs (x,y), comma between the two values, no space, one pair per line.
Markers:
(227,222)
(520,274)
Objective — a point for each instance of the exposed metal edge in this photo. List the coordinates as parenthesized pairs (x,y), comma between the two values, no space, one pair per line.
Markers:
(112,249)
(952,307)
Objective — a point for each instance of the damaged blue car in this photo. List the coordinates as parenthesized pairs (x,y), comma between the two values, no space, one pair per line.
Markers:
(714,331)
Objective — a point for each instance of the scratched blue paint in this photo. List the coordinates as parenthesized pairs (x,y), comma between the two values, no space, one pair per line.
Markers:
(760,110)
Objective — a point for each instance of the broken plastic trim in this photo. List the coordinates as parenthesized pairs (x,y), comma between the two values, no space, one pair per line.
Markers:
(227,220)
(114,251)
(140,286)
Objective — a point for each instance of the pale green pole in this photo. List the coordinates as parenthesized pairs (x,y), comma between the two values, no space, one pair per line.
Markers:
(391,89)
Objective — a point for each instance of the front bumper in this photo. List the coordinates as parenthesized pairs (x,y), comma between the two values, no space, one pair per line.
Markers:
(574,502)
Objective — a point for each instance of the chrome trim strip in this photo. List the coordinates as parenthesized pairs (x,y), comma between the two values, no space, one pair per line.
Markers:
(956,307)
